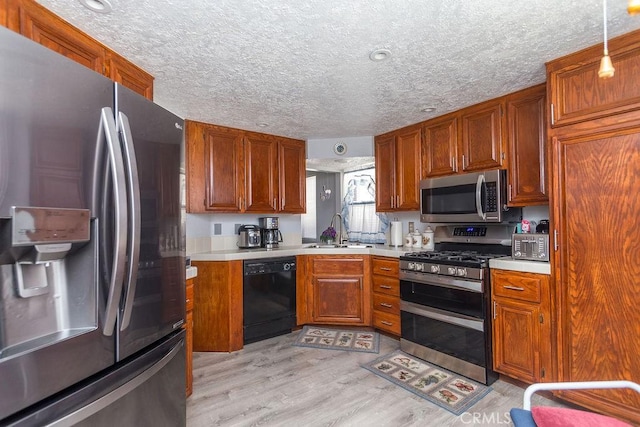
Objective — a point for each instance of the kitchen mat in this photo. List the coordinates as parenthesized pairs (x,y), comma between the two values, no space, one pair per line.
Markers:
(446,389)
(338,339)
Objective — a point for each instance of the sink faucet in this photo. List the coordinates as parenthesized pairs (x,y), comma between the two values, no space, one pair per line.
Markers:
(339,233)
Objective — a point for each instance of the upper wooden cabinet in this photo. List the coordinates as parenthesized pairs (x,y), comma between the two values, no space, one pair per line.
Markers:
(42,26)
(482,146)
(526,147)
(398,164)
(440,146)
(577,94)
(231,170)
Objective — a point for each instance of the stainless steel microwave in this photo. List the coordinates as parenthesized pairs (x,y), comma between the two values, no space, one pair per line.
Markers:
(471,197)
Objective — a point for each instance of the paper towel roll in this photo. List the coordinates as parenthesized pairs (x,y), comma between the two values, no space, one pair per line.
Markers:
(396,233)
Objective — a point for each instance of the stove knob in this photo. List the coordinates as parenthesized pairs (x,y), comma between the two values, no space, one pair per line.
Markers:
(435,269)
(451,271)
(419,267)
(462,272)
(411,266)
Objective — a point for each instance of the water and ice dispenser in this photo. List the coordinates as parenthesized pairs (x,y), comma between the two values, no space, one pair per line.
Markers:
(48,263)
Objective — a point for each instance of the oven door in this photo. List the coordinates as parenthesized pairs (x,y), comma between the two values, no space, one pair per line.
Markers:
(458,336)
(473,197)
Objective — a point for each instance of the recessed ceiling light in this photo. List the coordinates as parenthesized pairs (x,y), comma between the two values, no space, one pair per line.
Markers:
(428,109)
(263,125)
(100,6)
(380,55)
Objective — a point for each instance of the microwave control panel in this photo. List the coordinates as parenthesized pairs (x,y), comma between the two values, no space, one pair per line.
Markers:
(491,197)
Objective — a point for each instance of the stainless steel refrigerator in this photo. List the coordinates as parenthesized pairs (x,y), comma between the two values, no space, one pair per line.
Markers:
(92,248)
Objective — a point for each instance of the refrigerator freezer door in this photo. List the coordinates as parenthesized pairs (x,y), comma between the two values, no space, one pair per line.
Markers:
(154,298)
(145,391)
(50,115)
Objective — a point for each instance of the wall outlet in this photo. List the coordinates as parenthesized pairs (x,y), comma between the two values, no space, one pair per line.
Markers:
(235,228)
(217,229)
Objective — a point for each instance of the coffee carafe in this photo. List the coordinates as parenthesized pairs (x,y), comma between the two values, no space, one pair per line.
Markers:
(269,231)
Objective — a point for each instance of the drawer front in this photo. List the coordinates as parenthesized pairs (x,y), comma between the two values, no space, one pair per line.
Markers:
(386,285)
(341,266)
(189,296)
(387,303)
(386,322)
(386,267)
(521,286)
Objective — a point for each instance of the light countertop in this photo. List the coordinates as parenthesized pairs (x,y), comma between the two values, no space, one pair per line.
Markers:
(257,253)
(508,263)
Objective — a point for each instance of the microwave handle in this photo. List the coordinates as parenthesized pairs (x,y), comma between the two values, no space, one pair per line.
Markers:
(479,185)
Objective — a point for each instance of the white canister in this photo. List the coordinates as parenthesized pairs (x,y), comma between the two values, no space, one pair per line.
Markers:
(408,240)
(416,239)
(427,239)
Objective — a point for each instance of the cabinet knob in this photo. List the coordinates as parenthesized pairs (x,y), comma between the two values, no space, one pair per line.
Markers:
(384,322)
(384,304)
(513,288)
(385,287)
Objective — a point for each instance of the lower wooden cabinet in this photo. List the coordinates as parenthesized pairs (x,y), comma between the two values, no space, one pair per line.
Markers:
(188,326)
(386,294)
(522,325)
(338,289)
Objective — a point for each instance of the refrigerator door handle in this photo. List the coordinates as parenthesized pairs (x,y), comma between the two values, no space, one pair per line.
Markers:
(109,398)
(133,193)
(108,125)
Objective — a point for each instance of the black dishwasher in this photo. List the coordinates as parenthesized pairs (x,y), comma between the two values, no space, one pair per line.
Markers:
(269,299)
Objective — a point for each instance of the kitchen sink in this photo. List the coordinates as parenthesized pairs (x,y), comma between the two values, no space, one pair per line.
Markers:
(343,246)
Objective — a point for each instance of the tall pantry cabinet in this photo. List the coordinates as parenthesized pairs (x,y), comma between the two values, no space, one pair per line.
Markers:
(594,135)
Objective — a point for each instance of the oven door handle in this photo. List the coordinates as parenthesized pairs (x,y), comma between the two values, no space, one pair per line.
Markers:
(443,316)
(444,281)
(479,184)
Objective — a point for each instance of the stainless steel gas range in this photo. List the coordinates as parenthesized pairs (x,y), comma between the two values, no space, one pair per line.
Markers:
(445,298)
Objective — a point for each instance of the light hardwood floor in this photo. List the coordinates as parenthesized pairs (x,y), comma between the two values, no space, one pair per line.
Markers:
(273,383)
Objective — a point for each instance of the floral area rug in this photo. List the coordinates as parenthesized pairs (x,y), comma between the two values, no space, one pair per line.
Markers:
(448,390)
(338,339)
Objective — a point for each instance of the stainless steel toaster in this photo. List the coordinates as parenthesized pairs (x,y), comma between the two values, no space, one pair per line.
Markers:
(530,246)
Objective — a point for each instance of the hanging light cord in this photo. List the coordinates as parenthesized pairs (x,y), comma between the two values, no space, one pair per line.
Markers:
(604,12)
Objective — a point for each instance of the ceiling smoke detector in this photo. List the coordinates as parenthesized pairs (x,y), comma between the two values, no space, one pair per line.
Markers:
(380,55)
(100,6)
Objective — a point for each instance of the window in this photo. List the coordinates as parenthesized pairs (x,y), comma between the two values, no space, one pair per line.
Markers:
(362,223)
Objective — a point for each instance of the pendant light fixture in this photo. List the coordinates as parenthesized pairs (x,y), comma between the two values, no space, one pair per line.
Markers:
(606,67)
(634,7)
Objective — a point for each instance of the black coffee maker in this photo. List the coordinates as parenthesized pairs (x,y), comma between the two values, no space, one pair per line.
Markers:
(269,232)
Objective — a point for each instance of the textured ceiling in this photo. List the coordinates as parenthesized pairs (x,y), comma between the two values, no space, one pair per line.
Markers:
(303,68)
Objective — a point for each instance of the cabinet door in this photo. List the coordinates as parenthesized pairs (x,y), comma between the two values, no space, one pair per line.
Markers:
(595,187)
(260,167)
(42,26)
(385,160)
(526,147)
(516,339)
(338,300)
(408,169)
(578,95)
(224,179)
(482,137)
(292,176)
(440,147)
(124,72)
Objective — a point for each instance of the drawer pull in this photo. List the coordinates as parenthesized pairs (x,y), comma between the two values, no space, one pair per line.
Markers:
(384,304)
(385,268)
(384,322)
(385,287)
(513,288)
